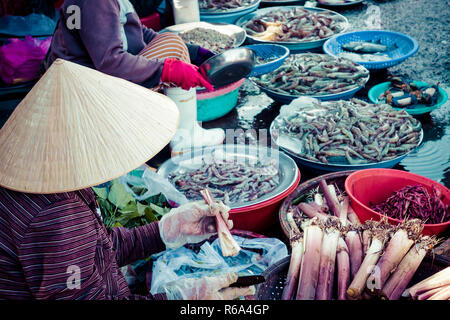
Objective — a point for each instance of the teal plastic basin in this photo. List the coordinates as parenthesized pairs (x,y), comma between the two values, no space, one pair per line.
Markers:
(216,104)
(418,109)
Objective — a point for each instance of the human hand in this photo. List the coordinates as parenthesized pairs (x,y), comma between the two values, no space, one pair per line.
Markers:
(184,75)
(192,223)
(207,288)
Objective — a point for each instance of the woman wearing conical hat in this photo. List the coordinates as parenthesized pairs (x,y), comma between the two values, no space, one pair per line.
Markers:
(64,137)
(107,35)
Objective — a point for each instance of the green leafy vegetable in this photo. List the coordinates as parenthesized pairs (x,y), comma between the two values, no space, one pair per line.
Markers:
(119,208)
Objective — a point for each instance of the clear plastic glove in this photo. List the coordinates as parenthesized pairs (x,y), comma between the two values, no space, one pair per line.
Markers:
(191,223)
(207,288)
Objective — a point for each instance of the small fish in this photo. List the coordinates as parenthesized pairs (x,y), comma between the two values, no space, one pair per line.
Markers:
(365,57)
(364,47)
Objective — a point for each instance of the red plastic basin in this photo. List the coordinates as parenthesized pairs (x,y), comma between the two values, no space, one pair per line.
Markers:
(261,216)
(376,185)
(152,21)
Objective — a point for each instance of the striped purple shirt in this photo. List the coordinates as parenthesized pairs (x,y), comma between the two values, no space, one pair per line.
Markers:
(49,242)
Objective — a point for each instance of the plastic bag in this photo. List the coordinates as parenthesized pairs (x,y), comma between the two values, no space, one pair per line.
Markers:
(182,263)
(155,184)
(20,59)
(301,106)
(35,24)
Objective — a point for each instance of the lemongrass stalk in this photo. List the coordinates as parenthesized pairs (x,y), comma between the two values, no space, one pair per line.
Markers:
(227,243)
(399,280)
(355,248)
(309,271)
(294,227)
(374,252)
(343,269)
(343,213)
(366,235)
(330,197)
(439,279)
(317,207)
(443,294)
(294,268)
(318,199)
(311,212)
(425,295)
(327,262)
(398,246)
(352,217)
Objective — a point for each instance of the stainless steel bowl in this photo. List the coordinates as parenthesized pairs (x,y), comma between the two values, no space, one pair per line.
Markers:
(193,159)
(228,67)
(231,30)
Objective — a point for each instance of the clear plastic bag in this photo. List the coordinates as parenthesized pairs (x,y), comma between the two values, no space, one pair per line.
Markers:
(183,263)
(155,184)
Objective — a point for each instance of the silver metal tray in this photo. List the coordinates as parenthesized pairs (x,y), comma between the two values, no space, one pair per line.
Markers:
(292,45)
(288,170)
(253,4)
(325,3)
(231,30)
(287,98)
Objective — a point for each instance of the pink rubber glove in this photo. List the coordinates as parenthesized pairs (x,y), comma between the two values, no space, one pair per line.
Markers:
(206,288)
(184,75)
(191,223)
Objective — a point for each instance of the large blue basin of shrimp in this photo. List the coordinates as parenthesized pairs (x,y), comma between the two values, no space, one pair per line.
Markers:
(286,98)
(319,167)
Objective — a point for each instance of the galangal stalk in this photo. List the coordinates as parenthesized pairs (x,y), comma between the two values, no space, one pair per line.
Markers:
(343,269)
(291,283)
(355,248)
(324,290)
(358,284)
(227,243)
(399,280)
(407,234)
(439,279)
(309,271)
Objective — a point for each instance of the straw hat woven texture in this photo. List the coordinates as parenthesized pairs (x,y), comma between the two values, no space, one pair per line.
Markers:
(78,128)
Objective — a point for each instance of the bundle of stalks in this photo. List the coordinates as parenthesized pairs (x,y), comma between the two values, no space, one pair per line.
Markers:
(400,278)
(435,287)
(290,286)
(370,260)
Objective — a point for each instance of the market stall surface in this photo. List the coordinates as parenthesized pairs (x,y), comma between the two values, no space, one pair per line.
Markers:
(426,22)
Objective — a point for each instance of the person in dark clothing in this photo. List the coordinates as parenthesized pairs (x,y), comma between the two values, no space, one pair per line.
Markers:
(110,39)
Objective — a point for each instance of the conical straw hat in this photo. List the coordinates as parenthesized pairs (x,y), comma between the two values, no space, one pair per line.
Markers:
(78,128)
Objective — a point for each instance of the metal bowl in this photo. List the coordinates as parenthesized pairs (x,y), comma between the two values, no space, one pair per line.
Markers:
(325,3)
(288,170)
(253,5)
(320,167)
(257,215)
(228,67)
(343,95)
(274,3)
(231,30)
